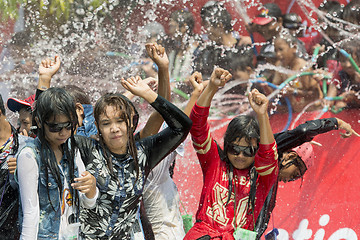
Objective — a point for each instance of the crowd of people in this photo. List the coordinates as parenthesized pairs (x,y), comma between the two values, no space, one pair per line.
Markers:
(78,169)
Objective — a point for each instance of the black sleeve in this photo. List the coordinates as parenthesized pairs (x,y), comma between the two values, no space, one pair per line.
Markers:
(158,146)
(304,133)
(85,146)
(38,93)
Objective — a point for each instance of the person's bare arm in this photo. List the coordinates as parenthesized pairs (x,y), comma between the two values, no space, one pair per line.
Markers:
(158,55)
(259,104)
(198,86)
(47,69)
(218,79)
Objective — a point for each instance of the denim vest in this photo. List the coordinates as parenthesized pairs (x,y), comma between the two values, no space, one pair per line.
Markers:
(88,128)
(49,221)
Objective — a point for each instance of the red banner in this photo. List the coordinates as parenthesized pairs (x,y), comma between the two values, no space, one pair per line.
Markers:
(325,205)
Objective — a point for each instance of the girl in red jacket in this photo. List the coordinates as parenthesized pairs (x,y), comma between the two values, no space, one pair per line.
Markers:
(246,169)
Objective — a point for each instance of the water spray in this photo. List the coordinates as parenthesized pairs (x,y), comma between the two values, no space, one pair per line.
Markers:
(288,103)
(117,54)
(342,51)
(240,6)
(287,81)
(327,38)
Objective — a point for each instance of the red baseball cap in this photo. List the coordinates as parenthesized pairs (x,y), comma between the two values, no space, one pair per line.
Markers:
(271,11)
(15,104)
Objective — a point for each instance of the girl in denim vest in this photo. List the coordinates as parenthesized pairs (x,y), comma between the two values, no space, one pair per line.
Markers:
(51,173)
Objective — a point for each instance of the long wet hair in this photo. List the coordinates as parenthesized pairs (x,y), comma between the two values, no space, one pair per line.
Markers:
(243,126)
(129,114)
(51,103)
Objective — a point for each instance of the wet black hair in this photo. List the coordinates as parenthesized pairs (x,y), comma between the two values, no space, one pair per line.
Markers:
(334,8)
(352,47)
(123,104)
(243,126)
(292,21)
(243,60)
(51,103)
(78,94)
(183,17)
(298,162)
(2,106)
(215,13)
(288,37)
(352,12)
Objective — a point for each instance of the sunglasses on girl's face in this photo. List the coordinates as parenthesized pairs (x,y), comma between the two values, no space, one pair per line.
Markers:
(248,151)
(57,127)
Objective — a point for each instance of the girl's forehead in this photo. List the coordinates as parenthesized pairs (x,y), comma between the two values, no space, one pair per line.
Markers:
(58,118)
(111,111)
(242,141)
(281,41)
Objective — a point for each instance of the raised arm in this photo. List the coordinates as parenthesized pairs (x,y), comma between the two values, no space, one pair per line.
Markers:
(266,163)
(47,69)
(259,104)
(158,55)
(218,79)
(161,144)
(201,137)
(198,86)
(307,131)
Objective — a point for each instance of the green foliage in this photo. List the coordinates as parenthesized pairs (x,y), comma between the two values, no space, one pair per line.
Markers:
(60,9)
(8,9)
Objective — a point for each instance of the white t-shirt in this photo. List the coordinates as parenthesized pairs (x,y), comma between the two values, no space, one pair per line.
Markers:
(28,177)
(162,201)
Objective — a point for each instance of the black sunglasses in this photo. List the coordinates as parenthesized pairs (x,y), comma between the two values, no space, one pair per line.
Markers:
(57,127)
(248,151)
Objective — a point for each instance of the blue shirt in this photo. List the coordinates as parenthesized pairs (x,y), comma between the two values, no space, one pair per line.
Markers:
(88,128)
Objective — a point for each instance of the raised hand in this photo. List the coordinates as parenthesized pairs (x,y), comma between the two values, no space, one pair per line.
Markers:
(138,87)
(320,74)
(197,83)
(152,82)
(85,184)
(219,77)
(157,53)
(258,102)
(47,69)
